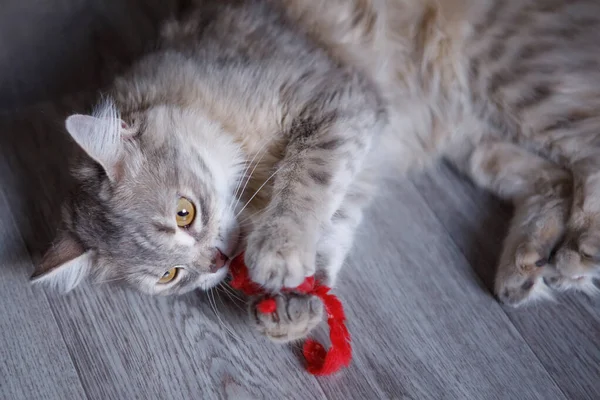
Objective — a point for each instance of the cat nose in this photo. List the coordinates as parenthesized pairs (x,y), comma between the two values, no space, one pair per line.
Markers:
(219,260)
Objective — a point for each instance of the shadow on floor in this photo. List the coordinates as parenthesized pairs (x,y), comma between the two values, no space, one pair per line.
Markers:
(34,148)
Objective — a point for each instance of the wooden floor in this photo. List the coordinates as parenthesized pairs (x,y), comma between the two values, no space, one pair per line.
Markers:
(416,287)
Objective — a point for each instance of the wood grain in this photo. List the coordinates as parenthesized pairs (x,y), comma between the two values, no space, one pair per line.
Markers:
(563,335)
(127,346)
(34,361)
(423,326)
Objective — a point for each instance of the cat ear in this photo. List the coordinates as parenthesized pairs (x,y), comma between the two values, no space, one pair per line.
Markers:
(100,137)
(64,265)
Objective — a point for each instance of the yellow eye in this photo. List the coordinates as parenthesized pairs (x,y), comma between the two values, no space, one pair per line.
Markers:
(169,275)
(186,212)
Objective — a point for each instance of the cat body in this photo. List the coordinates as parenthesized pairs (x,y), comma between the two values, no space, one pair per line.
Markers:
(505,91)
(264,126)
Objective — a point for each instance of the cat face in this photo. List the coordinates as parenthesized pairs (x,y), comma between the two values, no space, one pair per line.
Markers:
(154,205)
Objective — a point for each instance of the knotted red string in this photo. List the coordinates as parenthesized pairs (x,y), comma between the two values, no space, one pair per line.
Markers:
(319,361)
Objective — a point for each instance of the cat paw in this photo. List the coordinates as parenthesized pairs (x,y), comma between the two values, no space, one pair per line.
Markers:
(518,289)
(520,273)
(525,258)
(579,255)
(278,259)
(294,317)
(561,283)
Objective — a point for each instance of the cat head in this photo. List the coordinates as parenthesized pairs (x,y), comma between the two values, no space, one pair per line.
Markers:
(153,203)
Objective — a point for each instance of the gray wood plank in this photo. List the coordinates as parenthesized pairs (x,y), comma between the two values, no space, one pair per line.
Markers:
(34,360)
(563,335)
(423,327)
(127,345)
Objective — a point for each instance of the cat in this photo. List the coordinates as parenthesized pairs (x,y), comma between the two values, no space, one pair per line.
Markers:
(264,126)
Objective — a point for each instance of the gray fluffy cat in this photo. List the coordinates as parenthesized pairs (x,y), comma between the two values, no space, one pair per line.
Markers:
(262,125)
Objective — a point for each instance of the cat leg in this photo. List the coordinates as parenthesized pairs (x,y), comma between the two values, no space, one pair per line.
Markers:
(297,314)
(541,193)
(326,148)
(578,258)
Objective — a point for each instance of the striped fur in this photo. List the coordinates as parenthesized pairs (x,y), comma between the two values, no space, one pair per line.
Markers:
(278,117)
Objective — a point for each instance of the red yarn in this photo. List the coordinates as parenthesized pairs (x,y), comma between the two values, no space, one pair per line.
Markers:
(267,306)
(319,361)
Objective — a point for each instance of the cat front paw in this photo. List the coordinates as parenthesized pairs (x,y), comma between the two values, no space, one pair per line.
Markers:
(294,317)
(279,258)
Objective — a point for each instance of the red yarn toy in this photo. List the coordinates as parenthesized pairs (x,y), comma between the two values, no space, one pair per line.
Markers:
(318,360)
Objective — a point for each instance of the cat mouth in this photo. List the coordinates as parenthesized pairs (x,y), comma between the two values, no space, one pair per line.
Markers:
(221,260)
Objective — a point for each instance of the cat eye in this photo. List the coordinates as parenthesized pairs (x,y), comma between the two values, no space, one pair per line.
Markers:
(186,212)
(169,275)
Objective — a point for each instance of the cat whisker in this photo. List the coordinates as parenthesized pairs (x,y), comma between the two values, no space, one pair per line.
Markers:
(263,151)
(247,166)
(230,291)
(250,176)
(229,295)
(258,190)
(213,304)
(234,198)
(265,182)
(249,217)
(237,193)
